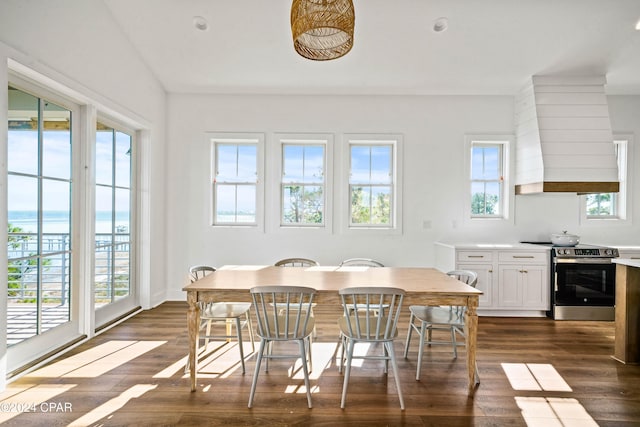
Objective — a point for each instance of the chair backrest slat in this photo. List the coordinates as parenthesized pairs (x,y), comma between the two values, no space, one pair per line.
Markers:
(296,262)
(283,312)
(361,262)
(368,320)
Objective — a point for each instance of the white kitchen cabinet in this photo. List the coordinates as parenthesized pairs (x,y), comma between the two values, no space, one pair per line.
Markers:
(523,286)
(514,279)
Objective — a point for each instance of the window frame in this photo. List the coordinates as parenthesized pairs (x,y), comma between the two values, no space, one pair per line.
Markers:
(325,140)
(255,139)
(623,199)
(507,191)
(395,141)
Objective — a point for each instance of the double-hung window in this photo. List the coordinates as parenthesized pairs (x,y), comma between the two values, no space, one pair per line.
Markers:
(303,185)
(487,179)
(236,180)
(610,205)
(373,182)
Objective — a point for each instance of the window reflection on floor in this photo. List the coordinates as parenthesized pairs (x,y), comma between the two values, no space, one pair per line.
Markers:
(545,411)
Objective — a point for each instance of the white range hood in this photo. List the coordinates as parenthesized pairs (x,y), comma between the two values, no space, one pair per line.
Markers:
(564,138)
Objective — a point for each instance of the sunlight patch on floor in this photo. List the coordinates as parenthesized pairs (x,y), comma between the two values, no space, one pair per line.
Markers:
(219,359)
(98,360)
(552,412)
(70,364)
(534,377)
(545,411)
(101,366)
(111,406)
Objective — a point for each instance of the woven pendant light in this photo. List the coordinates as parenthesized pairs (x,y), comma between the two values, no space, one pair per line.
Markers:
(322,29)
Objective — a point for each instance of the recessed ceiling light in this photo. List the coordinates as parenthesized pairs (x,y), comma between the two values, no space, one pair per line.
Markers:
(200,23)
(638,25)
(440,25)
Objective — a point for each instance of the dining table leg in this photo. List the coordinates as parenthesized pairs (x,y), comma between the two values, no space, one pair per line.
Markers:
(193,321)
(471,333)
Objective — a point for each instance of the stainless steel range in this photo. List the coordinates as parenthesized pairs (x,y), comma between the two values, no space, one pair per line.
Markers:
(583,282)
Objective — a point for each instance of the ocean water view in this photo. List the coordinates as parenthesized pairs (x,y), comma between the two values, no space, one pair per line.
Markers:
(58,221)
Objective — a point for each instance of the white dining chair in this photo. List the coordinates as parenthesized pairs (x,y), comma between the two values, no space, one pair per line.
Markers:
(296,262)
(283,314)
(364,262)
(362,324)
(229,314)
(361,262)
(426,319)
(299,262)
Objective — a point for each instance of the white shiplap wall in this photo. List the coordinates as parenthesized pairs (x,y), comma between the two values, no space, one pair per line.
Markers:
(564,131)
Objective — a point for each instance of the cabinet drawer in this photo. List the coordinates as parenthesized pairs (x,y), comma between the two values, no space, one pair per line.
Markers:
(475,256)
(523,257)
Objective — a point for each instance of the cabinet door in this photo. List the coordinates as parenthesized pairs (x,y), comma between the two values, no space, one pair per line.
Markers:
(485,282)
(523,286)
(535,287)
(510,286)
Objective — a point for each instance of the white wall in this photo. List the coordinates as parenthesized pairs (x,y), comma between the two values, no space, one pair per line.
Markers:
(434,177)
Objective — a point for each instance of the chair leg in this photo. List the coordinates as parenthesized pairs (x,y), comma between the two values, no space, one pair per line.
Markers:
(250,328)
(256,372)
(453,342)
(385,355)
(309,356)
(240,346)
(409,332)
(342,344)
(269,351)
(423,327)
(347,372)
(206,340)
(394,365)
(305,371)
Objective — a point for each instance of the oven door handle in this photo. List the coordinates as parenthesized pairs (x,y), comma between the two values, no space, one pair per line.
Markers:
(582,261)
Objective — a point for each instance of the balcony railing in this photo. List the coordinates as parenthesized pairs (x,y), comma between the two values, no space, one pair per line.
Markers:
(44,280)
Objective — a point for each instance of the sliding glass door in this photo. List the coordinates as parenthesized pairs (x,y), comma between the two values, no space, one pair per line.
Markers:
(70,262)
(113,292)
(40,286)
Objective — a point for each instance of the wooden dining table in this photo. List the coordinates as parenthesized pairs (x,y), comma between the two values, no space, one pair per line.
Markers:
(423,286)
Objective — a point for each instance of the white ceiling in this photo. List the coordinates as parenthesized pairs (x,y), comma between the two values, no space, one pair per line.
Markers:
(491,46)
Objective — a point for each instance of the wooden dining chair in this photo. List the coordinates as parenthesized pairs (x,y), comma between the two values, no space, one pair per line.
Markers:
(229,314)
(362,324)
(426,319)
(283,314)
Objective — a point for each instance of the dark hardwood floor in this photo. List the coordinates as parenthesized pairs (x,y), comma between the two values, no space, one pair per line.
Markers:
(534,372)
